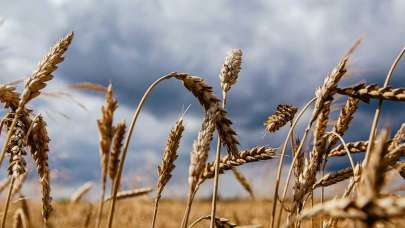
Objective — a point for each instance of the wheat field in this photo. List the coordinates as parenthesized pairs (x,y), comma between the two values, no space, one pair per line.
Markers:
(363,203)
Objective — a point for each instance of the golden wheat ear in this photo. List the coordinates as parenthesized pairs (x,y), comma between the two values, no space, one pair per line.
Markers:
(283,115)
(210,102)
(38,142)
(167,166)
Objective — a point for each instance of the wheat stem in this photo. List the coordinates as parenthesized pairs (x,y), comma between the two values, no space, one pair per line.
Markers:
(126,144)
(216,175)
(3,223)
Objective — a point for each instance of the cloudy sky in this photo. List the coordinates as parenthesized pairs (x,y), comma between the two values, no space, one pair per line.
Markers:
(288,48)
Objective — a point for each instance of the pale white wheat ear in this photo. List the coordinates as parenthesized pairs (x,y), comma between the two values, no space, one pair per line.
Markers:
(228,77)
(167,165)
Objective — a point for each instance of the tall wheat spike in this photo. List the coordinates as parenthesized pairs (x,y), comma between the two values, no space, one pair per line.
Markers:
(39,147)
(106,131)
(167,165)
(32,88)
(198,159)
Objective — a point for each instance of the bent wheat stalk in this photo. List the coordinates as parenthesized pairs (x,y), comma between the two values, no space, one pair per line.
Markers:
(117,178)
(80,192)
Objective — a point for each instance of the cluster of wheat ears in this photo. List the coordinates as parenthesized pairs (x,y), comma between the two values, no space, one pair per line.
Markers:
(363,202)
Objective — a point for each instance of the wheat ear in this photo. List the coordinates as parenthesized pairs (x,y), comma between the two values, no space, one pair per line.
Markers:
(9,96)
(243,181)
(228,77)
(37,81)
(80,192)
(344,119)
(17,164)
(365,93)
(283,115)
(106,131)
(167,165)
(198,159)
(259,153)
(131,193)
(116,148)
(211,103)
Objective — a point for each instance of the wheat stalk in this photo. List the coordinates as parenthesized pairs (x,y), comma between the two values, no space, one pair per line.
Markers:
(80,192)
(4,184)
(378,109)
(167,165)
(20,219)
(131,193)
(308,177)
(135,115)
(228,77)
(18,184)
(283,115)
